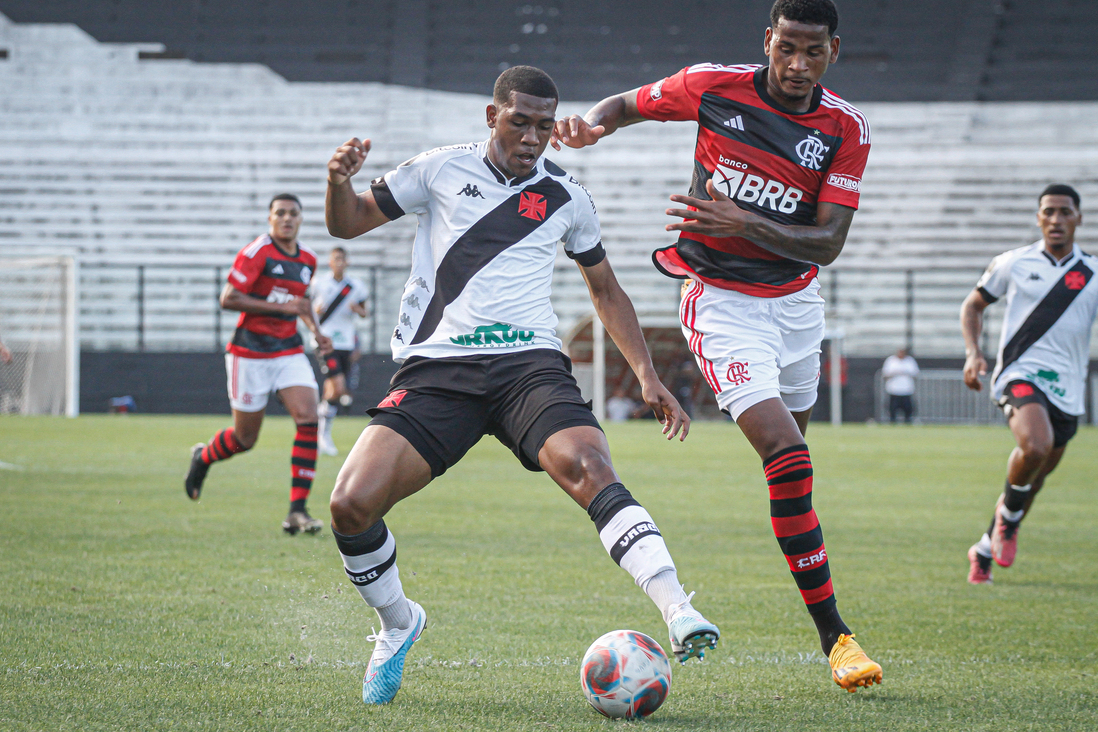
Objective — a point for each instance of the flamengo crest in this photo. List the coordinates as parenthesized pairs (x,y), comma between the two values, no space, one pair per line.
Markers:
(811,151)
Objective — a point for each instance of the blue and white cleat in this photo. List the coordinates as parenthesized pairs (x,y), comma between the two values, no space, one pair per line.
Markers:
(691,634)
(386,668)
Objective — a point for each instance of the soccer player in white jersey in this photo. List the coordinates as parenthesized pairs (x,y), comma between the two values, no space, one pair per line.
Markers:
(479,355)
(1041,368)
(338,300)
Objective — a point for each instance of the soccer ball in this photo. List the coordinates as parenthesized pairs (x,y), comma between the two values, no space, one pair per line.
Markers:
(625,674)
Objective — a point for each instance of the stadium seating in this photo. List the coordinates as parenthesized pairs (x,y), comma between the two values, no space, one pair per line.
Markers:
(169,164)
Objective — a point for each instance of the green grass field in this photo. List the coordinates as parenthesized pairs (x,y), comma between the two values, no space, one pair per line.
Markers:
(126,606)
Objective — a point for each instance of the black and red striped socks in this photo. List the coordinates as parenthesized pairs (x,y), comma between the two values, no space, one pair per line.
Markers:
(222,447)
(302,465)
(789,478)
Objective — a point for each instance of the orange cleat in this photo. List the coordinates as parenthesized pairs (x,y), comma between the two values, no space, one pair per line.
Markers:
(850,667)
(1004,538)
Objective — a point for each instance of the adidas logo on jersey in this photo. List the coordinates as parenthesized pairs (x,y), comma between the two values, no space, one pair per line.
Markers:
(471,191)
(277,269)
(735,123)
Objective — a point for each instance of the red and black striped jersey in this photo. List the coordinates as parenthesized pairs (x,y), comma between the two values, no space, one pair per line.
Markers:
(264,271)
(773,162)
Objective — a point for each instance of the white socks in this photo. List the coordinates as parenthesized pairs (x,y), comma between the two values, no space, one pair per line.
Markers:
(666,592)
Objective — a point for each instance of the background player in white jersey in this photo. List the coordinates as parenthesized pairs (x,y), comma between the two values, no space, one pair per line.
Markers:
(776,180)
(480,356)
(1040,373)
(338,300)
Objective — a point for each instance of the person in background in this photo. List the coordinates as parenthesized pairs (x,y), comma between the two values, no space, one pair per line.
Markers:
(899,373)
(620,407)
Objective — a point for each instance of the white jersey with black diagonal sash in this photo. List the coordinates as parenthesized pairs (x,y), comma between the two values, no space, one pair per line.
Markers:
(1050,307)
(485,246)
(336,319)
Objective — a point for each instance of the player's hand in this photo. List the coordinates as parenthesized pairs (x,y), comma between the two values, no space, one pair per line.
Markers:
(5,354)
(299,306)
(347,160)
(668,410)
(323,344)
(574,131)
(319,308)
(975,367)
(721,217)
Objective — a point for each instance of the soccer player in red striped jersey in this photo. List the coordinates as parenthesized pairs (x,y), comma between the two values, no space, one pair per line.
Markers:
(267,286)
(776,179)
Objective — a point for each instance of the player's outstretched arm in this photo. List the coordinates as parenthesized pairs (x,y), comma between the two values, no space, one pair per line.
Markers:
(617,314)
(972,326)
(349,214)
(723,217)
(601,120)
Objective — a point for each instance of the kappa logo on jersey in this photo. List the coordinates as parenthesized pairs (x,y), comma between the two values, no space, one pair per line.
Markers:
(470,190)
(413,302)
(393,399)
(1075,280)
(737,373)
(397,335)
(811,151)
(277,269)
(418,282)
(405,320)
(753,189)
(657,90)
(846,182)
(499,334)
(1035,276)
(736,123)
(532,206)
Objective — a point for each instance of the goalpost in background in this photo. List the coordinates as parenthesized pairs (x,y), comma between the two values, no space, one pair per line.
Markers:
(38,324)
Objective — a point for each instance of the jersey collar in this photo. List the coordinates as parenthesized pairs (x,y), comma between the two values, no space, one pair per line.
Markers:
(1052,260)
(501,176)
(764,95)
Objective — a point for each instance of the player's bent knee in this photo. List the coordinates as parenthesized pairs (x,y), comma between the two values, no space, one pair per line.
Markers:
(1036,449)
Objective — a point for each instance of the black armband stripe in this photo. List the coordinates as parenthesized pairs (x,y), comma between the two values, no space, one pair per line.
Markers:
(988,297)
(383,197)
(589,258)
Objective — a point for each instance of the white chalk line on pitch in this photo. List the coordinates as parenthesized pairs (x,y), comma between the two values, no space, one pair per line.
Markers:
(9,466)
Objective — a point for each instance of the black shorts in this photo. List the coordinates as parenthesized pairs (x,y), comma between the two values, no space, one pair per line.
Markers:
(443,406)
(335,363)
(1019,392)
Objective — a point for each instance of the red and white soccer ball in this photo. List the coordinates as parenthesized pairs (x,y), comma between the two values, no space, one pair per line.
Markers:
(625,674)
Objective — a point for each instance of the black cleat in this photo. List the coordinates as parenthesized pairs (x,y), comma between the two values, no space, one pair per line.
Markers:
(301,521)
(197,474)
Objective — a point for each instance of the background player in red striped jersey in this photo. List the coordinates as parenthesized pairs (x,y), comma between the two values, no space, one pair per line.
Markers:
(267,286)
(777,176)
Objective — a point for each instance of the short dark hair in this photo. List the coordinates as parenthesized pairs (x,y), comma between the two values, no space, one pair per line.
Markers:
(341,250)
(809,12)
(524,80)
(284,197)
(1059,189)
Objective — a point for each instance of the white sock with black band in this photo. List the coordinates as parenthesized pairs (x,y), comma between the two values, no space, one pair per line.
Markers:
(369,559)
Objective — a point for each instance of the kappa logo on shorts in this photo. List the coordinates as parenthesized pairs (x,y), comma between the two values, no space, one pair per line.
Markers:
(532,206)
(393,399)
(1021,390)
(737,373)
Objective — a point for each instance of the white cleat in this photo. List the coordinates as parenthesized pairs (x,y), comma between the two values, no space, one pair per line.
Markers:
(325,446)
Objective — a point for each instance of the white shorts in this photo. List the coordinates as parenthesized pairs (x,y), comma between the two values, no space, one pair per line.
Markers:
(755,348)
(251,380)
